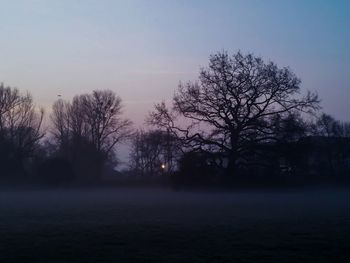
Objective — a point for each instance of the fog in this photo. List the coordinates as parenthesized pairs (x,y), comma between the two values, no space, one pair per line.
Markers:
(101,225)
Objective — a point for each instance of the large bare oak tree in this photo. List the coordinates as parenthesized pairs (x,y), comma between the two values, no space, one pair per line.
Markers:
(231,106)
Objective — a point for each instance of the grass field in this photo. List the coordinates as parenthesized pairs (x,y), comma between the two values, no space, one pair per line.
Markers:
(153,225)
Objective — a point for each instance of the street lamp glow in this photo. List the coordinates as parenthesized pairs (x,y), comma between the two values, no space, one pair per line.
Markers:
(163,166)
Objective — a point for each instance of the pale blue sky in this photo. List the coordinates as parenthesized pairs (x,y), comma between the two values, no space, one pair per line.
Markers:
(142,49)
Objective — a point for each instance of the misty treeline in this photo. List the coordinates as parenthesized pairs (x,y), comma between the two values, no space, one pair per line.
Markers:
(244,120)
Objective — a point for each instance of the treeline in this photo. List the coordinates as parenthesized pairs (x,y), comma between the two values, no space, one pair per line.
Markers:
(78,146)
(243,120)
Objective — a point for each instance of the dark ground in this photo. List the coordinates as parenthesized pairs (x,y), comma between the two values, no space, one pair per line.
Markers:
(152,225)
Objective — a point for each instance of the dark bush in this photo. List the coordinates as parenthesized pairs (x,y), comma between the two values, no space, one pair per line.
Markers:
(56,171)
(195,169)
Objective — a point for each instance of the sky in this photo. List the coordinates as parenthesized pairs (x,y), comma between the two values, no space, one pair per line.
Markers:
(143,49)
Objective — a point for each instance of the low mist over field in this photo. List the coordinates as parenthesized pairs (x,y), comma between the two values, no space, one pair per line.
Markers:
(160,225)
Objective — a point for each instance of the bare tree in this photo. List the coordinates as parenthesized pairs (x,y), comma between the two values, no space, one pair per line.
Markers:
(61,121)
(20,123)
(19,119)
(103,110)
(334,142)
(94,119)
(289,128)
(231,105)
(327,126)
(154,152)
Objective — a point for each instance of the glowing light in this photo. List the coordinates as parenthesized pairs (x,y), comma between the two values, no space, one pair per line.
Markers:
(163,166)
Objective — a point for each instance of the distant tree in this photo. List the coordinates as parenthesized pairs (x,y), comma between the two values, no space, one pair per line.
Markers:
(154,152)
(20,127)
(335,143)
(231,106)
(289,127)
(61,121)
(103,110)
(328,126)
(92,124)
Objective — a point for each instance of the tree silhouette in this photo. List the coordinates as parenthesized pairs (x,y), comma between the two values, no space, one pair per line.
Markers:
(89,128)
(328,126)
(154,152)
(20,128)
(231,106)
